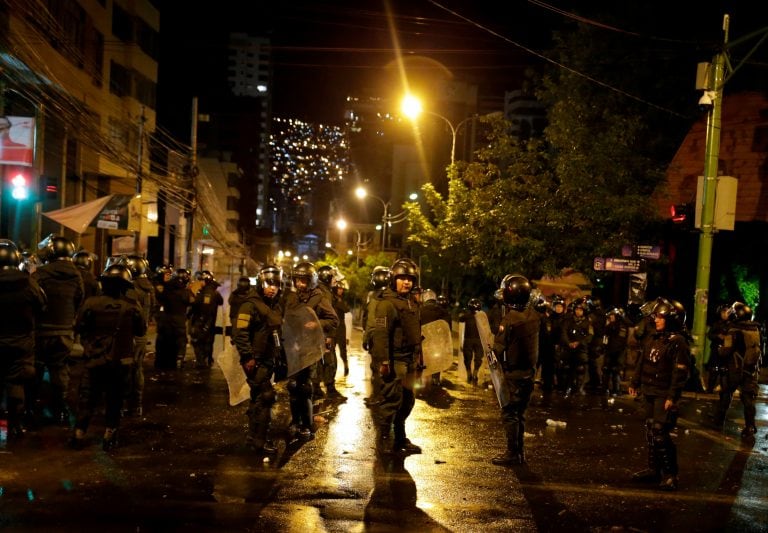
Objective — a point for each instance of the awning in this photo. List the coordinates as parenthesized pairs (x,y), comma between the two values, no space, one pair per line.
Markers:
(108,212)
(570,285)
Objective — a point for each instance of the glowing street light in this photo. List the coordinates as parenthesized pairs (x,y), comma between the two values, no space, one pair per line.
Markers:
(411,107)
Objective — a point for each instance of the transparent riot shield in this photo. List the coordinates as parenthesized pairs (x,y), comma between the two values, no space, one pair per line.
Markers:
(437,346)
(229,361)
(493,365)
(303,338)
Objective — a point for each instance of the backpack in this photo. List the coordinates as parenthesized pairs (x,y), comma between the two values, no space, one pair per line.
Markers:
(752,343)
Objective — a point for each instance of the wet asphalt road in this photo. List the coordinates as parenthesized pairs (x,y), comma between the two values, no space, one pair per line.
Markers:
(184,466)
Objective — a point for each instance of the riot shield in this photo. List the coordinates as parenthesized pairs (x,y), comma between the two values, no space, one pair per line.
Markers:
(303,338)
(437,346)
(229,361)
(494,367)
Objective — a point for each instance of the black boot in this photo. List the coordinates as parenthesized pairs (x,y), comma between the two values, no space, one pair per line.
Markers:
(509,458)
(668,461)
(333,392)
(651,474)
(514,454)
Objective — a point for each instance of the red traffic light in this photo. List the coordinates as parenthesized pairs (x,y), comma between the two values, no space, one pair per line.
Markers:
(680,213)
(20,190)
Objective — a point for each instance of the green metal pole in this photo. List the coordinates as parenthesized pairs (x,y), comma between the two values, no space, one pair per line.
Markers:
(711,156)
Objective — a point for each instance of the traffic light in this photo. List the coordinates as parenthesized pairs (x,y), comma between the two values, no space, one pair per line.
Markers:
(49,188)
(20,183)
(682,214)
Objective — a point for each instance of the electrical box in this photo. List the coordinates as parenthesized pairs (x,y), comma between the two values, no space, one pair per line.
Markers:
(704,77)
(725,202)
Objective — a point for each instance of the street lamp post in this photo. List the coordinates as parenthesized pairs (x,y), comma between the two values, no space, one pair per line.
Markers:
(361,193)
(342,225)
(386,218)
(412,108)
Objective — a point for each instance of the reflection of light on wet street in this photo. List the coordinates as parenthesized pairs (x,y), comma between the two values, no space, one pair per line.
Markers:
(345,433)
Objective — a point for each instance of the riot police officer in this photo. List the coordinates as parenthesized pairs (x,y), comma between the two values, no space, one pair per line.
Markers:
(202,319)
(174,298)
(396,341)
(379,281)
(143,292)
(660,375)
(256,334)
(300,385)
(517,347)
(577,336)
(472,348)
(326,367)
(616,335)
(242,292)
(107,325)
(738,360)
(21,305)
(62,283)
(84,261)
(341,306)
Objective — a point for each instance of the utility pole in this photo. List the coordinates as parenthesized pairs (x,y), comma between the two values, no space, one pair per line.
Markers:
(192,175)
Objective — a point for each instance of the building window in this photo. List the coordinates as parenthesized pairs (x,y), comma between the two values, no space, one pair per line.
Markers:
(122,24)
(232,203)
(146,90)
(147,38)
(119,79)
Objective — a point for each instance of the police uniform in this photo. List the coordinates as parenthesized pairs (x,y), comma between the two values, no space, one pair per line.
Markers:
(517,348)
(107,325)
(171,343)
(396,340)
(54,336)
(300,385)
(22,302)
(202,322)
(144,294)
(661,374)
(255,333)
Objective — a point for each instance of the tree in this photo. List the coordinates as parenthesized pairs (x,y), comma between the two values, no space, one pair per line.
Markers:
(582,191)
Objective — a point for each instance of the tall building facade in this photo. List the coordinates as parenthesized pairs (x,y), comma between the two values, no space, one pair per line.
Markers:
(86,72)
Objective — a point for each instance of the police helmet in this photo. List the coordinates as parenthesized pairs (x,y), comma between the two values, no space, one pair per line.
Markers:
(618,312)
(55,247)
(243,283)
(342,284)
(582,303)
(557,300)
(325,275)
(182,275)
(206,276)
(380,277)
(136,264)
(672,312)
(498,295)
(270,275)
(117,275)
(307,271)
(403,268)
(442,301)
(740,312)
(517,291)
(475,304)
(83,260)
(10,258)
(428,296)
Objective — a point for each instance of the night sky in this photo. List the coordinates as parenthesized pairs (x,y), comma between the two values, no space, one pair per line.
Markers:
(324,50)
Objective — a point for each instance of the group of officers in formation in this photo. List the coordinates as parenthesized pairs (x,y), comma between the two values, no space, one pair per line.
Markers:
(567,346)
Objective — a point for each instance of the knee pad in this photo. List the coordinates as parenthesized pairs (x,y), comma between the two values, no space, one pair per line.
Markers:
(268,396)
(659,433)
